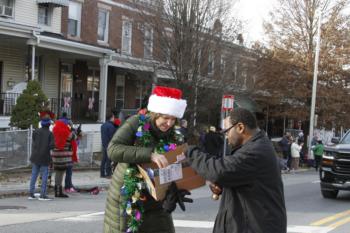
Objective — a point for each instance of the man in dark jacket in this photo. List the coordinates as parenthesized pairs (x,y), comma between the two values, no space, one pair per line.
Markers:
(252,191)
(107,131)
(285,144)
(43,142)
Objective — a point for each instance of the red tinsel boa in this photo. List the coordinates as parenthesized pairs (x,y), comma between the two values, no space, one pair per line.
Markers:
(75,157)
(61,133)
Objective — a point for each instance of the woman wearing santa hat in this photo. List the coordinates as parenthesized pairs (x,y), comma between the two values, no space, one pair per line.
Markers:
(144,138)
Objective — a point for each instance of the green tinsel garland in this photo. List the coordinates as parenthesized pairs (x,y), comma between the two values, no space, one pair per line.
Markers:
(133,182)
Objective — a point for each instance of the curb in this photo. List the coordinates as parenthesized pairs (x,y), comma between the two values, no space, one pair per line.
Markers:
(300,170)
(25,192)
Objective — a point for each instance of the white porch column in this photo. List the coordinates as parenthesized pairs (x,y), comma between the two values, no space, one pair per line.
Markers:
(103,89)
(33,62)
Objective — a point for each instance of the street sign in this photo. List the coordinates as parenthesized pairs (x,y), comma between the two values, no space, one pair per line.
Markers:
(227,102)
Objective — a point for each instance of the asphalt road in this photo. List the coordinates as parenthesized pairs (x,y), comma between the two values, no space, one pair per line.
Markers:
(83,213)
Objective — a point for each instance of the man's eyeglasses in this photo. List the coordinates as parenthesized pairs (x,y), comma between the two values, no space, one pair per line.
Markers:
(225,131)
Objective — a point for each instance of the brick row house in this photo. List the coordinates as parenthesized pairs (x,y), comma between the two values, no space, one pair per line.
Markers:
(90,56)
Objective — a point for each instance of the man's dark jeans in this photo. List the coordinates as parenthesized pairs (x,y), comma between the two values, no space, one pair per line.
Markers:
(106,168)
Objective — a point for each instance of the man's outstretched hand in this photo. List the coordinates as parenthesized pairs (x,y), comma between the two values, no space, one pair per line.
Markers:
(175,195)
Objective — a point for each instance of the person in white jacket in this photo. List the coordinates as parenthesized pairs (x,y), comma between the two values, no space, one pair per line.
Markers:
(295,153)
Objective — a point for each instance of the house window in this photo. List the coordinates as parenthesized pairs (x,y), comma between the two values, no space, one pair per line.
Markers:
(148,42)
(93,80)
(38,69)
(120,89)
(141,92)
(210,63)
(66,80)
(235,71)
(103,23)
(244,76)
(127,35)
(74,19)
(44,15)
(6,8)
(222,64)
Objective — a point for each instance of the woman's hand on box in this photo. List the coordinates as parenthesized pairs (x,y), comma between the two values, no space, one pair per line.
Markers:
(160,160)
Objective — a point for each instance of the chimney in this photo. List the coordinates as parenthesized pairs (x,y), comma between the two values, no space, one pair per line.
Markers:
(240,39)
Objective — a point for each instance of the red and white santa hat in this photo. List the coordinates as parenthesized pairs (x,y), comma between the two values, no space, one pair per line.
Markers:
(166,100)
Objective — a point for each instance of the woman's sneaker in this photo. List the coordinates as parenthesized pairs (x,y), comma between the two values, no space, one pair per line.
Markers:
(70,190)
(44,198)
(31,197)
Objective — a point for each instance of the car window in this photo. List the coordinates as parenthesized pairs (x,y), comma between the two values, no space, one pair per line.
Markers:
(346,139)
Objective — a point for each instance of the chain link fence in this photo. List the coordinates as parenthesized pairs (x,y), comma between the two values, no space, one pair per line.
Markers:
(15,149)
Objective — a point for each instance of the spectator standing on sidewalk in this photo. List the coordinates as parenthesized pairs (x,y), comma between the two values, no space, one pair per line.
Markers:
(62,154)
(43,142)
(295,150)
(318,153)
(107,131)
(285,144)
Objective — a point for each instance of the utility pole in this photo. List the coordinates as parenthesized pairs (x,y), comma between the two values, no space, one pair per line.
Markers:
(314,83)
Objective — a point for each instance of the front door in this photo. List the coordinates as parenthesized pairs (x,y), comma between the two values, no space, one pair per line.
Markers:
(86,85)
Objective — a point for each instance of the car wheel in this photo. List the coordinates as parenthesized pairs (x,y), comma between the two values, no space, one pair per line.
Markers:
(329,193)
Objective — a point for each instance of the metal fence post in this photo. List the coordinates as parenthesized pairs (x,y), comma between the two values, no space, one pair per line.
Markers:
(29,143)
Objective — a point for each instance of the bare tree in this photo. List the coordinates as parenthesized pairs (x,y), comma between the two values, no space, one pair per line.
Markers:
(292,30)
(190,35)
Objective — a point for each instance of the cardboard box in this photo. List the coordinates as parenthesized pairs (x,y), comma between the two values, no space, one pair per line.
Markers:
(188,179)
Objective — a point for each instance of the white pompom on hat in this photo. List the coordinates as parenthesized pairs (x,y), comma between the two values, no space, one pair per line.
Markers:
(166,100)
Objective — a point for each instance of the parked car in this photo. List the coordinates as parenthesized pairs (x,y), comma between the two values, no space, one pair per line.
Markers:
(335,167)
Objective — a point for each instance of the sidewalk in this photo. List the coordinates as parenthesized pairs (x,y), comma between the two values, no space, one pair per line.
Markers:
(17,183)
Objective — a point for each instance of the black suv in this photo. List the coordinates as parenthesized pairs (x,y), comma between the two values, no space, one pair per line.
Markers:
(335,167)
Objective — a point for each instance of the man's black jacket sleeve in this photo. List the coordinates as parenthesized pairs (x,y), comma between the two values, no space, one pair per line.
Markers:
(234,170)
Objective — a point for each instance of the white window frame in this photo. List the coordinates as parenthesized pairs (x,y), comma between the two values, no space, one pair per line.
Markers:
(124,37)
(4,7)
(49,15)
(78,18)
(148,42)
(106,29)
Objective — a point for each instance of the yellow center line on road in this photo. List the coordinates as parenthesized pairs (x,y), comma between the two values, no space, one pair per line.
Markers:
(340,222)
(330,218)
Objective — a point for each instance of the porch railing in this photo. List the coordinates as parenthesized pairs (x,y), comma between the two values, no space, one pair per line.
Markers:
(79,110)
(7,103)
